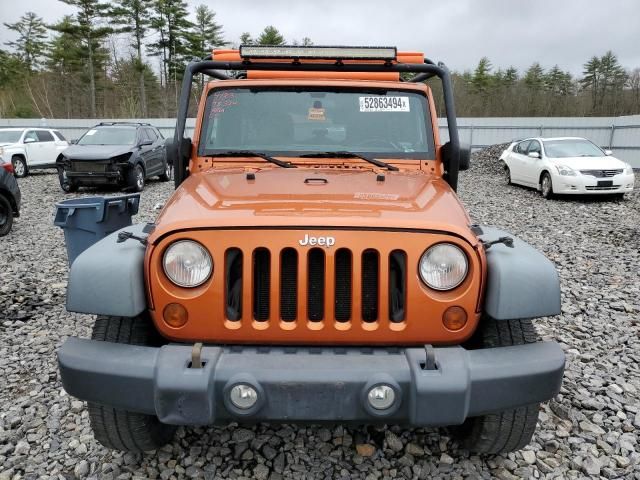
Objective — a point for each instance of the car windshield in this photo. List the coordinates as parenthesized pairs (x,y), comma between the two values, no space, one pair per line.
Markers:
(571,148)
(10,136)
(109,136)
(300,120)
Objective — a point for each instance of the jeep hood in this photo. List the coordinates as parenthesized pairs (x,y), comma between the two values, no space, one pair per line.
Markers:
(308,198)
(95,152)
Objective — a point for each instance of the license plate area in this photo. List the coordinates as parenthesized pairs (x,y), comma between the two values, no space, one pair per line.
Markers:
(605,183)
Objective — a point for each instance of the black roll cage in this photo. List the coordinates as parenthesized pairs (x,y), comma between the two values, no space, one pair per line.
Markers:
(211,68)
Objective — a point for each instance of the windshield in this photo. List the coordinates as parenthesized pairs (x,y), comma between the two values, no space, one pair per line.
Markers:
(10,136)
(571,148)
(295,121)
(109,136)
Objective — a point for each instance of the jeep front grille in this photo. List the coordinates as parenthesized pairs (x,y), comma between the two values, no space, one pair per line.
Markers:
(329,279)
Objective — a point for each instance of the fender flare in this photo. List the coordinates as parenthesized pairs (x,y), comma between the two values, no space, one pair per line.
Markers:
(521,281)
(108,277)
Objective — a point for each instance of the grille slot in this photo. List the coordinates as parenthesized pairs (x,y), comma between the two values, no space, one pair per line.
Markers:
(233,283)
(342,294)
(612,187)
(261,283)
(89,167)
(397,285)
(370,282)
(288,284)
(315,284)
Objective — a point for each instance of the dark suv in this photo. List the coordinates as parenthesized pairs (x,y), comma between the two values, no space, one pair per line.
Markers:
(114,153)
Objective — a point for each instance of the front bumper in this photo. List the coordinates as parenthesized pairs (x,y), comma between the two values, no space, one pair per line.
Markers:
(310,384)
(588,185)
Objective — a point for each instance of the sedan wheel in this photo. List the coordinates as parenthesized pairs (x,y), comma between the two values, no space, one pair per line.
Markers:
(547,186)
(19,167)
(507,175)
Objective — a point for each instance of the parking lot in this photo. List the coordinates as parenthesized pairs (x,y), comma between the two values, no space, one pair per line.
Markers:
(590,429)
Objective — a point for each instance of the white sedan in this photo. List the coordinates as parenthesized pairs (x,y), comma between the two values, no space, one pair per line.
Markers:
(567,165)
(30,148)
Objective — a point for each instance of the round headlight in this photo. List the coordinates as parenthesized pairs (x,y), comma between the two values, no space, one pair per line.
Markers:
(187,263)
(443,266)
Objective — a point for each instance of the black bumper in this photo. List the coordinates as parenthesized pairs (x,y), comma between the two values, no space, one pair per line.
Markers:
(310,384)
(95,178)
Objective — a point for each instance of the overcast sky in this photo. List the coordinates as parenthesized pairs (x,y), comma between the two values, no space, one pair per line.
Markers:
(458,32)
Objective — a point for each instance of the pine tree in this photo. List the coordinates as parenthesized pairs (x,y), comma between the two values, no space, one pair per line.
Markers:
(206,33)
(88,29)
(31,42)
(245,39)
(66,60)
(134,16)
(270,36)
(481,79)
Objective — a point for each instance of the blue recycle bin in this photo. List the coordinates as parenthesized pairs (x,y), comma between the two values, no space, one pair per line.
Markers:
(88,220)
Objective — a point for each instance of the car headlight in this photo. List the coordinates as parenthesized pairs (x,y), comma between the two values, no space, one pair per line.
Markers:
(187,263)
(443,266)
(566,171)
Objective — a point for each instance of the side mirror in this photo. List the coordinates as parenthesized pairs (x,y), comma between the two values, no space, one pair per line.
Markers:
(464,161)
(73,142)
(144,143)
(608,153)
(29,140)
(180,172)
(534,154)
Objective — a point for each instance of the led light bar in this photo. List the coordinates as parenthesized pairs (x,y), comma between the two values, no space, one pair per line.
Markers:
(313,52)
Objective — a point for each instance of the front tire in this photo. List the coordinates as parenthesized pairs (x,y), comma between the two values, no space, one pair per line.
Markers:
(66,184)
(507,174)
(6,216)
(546,186)
(136,178)
(121,429)
(509,430)
(20,169)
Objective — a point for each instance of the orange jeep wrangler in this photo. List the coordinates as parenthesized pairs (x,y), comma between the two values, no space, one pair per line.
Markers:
(314,265)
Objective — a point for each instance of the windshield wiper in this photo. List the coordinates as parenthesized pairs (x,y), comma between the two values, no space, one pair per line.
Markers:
(248,153)
(342,154)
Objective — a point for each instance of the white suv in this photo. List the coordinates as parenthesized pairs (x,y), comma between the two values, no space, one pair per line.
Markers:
(30,148)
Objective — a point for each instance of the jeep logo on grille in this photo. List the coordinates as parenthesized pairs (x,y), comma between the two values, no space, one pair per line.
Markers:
(320,241)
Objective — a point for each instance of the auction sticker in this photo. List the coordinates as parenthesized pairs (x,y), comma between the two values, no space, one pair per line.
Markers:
(384,104)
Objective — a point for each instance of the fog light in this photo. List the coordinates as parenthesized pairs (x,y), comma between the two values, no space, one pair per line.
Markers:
(243,396)
(175,315)
(454,318)
(381,397)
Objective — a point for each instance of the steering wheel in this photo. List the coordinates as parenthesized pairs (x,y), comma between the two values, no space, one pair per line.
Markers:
(378,141)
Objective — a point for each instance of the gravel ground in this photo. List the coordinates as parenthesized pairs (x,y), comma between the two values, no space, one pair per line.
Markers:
(591,429)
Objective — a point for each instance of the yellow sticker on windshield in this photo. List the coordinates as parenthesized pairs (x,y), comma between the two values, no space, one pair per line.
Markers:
(316,114)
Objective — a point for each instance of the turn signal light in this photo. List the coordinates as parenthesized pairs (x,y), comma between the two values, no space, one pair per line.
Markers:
(175,315)
(454,318)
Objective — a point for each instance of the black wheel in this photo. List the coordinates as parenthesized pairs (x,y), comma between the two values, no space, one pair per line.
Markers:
(121,429)
(66,184)
(507,174)
(546,186)
(6,216)
(19,167)
(166,175)
(512,429)
(136,178)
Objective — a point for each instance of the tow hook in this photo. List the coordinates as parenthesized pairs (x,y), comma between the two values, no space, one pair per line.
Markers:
(196,356)
(508,241)
(429,358)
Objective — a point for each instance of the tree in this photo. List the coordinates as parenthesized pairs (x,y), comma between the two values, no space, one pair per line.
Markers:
(245,39)
(31,42)
(170,21)
(88,30)
(65,61)
(206,33)
(270,36)
(135,16)
(481,79)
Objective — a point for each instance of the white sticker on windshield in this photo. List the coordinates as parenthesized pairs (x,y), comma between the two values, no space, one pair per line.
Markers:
(91,132)
(384,104)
